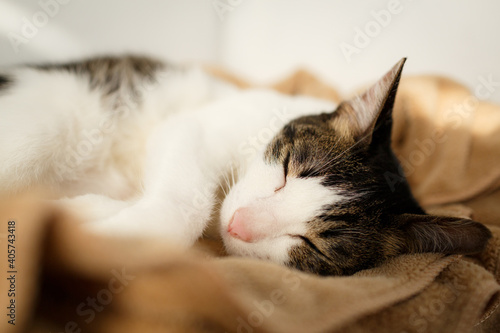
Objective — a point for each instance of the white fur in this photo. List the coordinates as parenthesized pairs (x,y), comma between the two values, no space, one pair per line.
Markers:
(152,169)
(280,210)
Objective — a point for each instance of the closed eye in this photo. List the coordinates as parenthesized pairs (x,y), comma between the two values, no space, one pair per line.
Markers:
(286,162)
(309,243)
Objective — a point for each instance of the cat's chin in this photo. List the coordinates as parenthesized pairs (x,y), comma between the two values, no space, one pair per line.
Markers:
(276,249)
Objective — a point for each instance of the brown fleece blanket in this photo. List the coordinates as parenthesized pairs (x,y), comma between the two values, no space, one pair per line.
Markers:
(70,281)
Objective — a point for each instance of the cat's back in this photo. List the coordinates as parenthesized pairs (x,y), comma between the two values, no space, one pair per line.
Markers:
(79,93)
(65,121)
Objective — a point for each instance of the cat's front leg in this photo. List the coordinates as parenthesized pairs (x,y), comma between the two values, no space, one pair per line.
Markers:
(149,218)
(179,186)
(92,207)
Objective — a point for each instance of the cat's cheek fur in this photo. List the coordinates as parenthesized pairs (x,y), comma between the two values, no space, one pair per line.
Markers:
(273,249)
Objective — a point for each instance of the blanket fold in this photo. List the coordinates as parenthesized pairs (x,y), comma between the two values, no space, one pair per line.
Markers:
(68,280)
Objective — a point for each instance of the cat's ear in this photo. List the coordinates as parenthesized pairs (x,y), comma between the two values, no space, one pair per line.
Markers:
(449,235)
(368,117)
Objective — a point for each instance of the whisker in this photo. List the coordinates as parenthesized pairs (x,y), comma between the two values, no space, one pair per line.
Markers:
(232,175)
(226,179)
(222,188)
(338,159)
(348,149)
(321,164)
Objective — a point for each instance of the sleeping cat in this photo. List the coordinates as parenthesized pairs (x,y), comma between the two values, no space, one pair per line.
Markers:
(142,149)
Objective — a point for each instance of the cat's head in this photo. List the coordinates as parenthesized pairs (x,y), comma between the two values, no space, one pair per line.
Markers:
(318,198)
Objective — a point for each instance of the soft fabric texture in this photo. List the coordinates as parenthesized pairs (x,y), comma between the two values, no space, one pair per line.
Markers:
(69,280)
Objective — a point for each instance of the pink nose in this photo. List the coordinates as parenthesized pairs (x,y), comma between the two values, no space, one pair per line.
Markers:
(238,226)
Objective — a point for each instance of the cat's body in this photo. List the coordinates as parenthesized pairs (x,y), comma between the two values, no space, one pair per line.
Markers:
(142,149)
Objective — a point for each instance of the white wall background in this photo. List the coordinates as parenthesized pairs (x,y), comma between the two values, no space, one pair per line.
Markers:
(264,40)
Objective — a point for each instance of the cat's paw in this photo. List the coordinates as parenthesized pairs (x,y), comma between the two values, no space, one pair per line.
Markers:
(140,221)
(91,207)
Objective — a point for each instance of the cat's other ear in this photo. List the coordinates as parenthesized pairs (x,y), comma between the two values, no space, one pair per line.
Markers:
(368,117)
(449,235)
